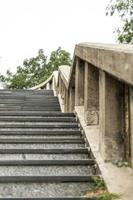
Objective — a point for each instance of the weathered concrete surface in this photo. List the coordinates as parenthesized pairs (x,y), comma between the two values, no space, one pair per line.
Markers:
(64,73)
(131,122)
(114,59)
(118,180)
(111,107)
(79,82)
(91,94)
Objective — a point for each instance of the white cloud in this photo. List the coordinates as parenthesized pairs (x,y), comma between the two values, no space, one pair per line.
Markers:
(27,25)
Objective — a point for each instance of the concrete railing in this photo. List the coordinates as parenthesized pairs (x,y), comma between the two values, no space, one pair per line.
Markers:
(99,87)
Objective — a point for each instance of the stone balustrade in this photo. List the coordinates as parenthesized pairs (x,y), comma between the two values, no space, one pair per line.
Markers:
(100,81)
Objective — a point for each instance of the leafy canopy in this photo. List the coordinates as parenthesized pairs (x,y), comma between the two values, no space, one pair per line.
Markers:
(36,70)
(124,8)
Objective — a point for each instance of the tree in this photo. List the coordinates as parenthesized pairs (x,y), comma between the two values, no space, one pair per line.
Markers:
(124,8)
(36,70)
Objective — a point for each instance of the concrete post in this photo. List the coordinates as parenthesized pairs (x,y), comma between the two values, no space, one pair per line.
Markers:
(102,112)
(86,82)
(48,86)
(91,94)
(79,83)
(66,101)
(131,122)
(71,99)
(111,118)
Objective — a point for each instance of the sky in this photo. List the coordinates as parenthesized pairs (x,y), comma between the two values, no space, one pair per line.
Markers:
(28,25)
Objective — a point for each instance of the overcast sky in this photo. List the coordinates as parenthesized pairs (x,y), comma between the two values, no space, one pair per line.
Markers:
(28,25)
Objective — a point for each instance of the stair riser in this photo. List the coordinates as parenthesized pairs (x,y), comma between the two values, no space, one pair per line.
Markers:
(69,137)
(36,113)
(41,141)
(37,119)
(45,126)
(57,131)
(45,179)
(54,198)
(46,151)
(87,162)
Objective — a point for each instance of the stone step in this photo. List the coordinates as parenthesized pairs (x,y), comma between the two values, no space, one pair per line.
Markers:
(27,156)
(44,154)
(26,96)
(36,113)
(46,179)
(53,198)
(39,131)
(37,119)
(28,105)
(13,102)
(49,92)
(41,146)
(83,162)
(43,141)
(46,151)
(54,170)
(40,137)
(44,190)
(38,125)
(26,91)
(31,108)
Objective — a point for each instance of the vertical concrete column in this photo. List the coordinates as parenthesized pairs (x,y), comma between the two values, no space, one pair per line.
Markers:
(66,101)
(71,99)
(59,86)
(79,83)
(48,86)
(111,118)
(102,112)
(131,122)
(91,94)
(86,83)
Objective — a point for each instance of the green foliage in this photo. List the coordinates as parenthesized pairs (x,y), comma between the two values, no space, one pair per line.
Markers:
(108,196)
(98,184)
(99,190)
(36,70)
(124,8)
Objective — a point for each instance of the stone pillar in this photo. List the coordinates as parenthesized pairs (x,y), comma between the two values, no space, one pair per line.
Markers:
(111,118)
(91,94)
(131,123)
(71,99)
(59,86)
(79,83)
(66,101)
(48,86)
(102,112)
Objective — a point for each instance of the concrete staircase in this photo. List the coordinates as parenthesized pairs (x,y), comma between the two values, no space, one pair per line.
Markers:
(43,152)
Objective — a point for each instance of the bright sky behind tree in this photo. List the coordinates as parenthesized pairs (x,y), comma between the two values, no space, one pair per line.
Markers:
(28,25)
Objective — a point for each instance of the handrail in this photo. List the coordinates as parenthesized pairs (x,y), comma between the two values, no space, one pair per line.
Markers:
(43,84)
(111,58)
(114,59)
